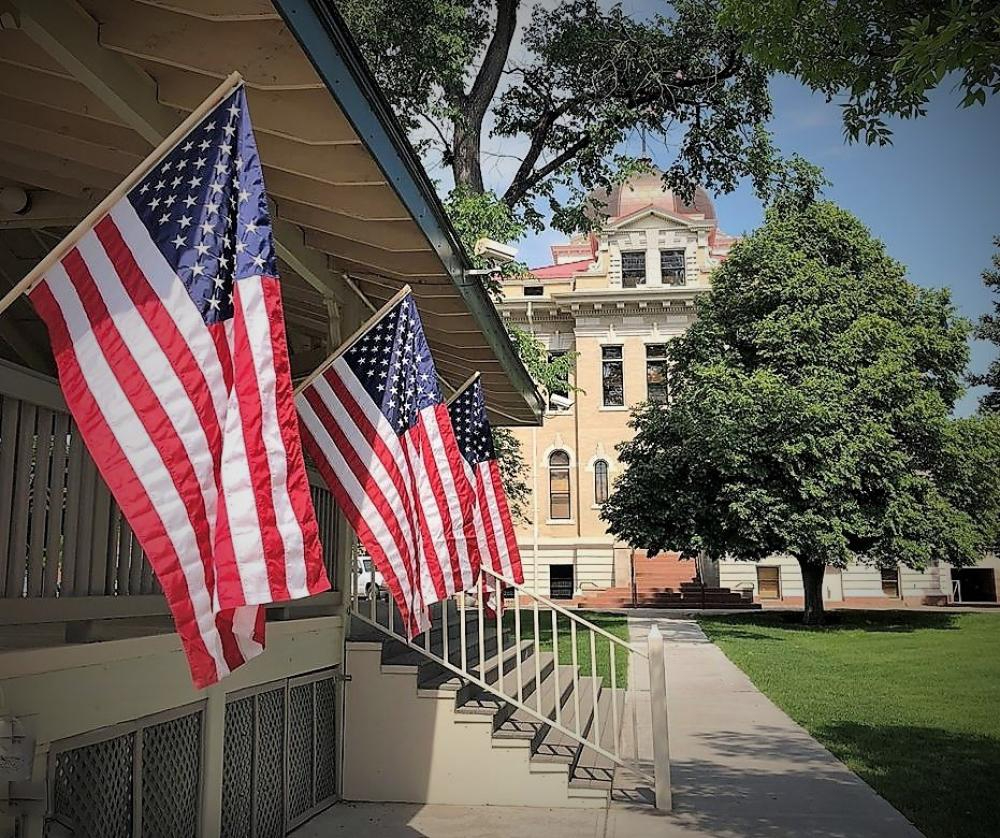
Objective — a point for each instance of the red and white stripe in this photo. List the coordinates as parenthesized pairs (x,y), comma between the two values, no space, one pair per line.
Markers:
(193,428)
(494,530)
(406,495)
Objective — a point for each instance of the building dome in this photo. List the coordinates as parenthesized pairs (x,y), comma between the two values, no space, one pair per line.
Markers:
(647,190)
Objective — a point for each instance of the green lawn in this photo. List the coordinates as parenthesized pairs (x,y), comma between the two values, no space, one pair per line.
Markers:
(612,623)
(910,701)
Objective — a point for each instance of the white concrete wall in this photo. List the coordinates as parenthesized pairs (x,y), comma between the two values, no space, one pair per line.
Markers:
(405,747)
(593,563)
(854,582)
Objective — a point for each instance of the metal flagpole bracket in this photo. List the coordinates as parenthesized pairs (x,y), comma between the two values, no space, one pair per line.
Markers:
(362,330)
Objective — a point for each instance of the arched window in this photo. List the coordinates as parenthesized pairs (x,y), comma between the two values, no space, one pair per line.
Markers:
(559,505)
(600,481)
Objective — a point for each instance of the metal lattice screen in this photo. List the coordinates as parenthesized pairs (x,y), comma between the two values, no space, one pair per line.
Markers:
(279,756)
(94,778)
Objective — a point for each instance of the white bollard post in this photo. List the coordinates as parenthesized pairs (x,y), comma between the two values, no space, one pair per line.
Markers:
(658,709)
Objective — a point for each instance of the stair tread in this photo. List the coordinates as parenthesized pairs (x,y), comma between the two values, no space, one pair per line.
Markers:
(484,700)
(594,770)
(433,675)
(525,725)
(558,746)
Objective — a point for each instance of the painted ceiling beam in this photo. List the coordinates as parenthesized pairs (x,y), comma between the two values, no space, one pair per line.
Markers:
(70,36)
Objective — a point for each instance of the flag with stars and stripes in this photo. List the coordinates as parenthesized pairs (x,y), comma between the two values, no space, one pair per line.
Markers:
(375,423)
(167,328)
(491,517)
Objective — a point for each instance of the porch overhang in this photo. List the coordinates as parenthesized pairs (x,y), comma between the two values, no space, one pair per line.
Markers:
(86,89)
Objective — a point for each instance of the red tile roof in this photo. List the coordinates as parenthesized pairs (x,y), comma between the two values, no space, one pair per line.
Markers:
(563,271)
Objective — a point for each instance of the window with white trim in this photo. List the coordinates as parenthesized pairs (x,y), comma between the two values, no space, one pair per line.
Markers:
(612,376)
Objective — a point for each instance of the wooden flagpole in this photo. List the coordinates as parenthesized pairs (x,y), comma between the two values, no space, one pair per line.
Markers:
(119,192)
(358,334)
(463,387)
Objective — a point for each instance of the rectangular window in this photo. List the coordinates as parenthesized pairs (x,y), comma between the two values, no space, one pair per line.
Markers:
(657,373)
(769,582)
(890,581)
(633,268)
(672,267)
(559,507)
(612,376)
(534,291)
(560,581)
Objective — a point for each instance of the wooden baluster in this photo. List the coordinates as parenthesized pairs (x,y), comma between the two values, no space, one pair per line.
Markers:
(595,686)
(498,614)
(614,696)
(538,665)
(444,629)
(461,614)
(576,677)
(482,633)
(555,654)
(517,644)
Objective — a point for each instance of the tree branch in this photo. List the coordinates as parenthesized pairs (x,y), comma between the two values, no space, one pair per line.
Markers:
(485,86)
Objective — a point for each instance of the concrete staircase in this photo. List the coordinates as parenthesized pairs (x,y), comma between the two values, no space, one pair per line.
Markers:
(416,732)
(666,582)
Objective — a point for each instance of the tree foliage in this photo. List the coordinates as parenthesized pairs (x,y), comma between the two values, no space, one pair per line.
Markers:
(988,328)
(884,55)
(811,413)
(566,95)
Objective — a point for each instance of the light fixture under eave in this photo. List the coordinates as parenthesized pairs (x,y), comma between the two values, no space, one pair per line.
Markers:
(15,200)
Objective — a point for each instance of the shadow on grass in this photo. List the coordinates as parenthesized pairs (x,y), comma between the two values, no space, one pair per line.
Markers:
(737,625)
(944,781)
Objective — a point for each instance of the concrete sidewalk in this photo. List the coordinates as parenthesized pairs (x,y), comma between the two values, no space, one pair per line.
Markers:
(741,769)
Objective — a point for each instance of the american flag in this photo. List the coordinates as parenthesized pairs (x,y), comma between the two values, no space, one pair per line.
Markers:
(167,328)
(491,518)
(376,425)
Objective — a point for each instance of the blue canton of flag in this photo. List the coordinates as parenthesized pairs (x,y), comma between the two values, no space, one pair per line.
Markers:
(393,363)
(472,428)
(205,208)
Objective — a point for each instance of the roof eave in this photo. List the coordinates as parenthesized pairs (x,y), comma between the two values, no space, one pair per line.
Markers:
(322,33)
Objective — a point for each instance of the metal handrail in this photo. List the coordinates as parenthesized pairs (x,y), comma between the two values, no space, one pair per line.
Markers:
(591,738)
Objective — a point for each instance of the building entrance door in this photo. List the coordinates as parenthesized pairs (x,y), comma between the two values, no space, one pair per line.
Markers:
(977,584)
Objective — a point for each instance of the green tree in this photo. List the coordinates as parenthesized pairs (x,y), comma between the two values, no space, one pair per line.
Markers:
(988,328)
(811,413)
(580,80)
(884,56)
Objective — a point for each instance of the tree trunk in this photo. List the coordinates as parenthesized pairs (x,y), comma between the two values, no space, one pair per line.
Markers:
(467,135)
(812,586)
(466,164)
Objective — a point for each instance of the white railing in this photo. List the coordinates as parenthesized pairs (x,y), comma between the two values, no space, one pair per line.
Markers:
(585,640)
(956,590)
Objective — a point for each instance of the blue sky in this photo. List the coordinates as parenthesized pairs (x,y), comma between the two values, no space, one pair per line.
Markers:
(933,196)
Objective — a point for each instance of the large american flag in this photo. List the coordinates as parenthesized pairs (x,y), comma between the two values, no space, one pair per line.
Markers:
(167,328)
(491,518)
(376,426)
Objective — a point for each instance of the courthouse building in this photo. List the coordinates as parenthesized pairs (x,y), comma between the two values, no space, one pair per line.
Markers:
(616,298)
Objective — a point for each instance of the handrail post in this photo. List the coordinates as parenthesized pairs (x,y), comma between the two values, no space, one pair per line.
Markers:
(658,709)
